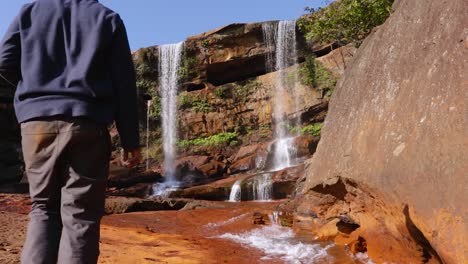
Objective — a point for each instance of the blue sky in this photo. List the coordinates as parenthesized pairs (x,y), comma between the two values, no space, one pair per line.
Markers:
(154,22)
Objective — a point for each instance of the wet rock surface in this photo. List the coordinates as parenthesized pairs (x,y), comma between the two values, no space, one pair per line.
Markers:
(356,216)
(186,236)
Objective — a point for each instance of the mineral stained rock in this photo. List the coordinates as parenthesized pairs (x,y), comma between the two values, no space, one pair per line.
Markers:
(398,122)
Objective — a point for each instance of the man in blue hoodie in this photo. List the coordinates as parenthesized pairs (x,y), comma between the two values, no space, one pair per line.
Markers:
(72,68)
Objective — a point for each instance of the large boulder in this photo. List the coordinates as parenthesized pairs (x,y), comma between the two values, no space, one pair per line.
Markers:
(199,169)
(398,122)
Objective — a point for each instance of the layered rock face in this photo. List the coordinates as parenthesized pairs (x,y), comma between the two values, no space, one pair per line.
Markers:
(246,104)
(398,123)
(224,81)
(226,87)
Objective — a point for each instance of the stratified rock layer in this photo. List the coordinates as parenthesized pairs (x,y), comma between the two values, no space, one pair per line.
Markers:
(398,121)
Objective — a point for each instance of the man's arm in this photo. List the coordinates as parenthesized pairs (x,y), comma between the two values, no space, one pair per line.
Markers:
(10,60)
(124,83)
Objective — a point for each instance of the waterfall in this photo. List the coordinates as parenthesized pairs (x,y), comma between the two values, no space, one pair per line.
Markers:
(282,39)
(236,192)
(274,218)
(263,188)
(169,62)
(148,108)
(269,37)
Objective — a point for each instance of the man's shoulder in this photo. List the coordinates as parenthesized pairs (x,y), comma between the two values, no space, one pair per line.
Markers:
(109,13)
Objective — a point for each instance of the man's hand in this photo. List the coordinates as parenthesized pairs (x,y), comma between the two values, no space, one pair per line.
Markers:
(131,158)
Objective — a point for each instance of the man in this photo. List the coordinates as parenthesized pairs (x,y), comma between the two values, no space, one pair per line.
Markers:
(74,73)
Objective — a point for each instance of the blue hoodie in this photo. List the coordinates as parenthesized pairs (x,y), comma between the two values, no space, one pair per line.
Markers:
(72,58)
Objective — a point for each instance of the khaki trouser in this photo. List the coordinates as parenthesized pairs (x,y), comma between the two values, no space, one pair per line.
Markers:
(67,167)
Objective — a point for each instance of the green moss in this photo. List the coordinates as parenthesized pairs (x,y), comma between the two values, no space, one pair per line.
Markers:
(314,74)
(222,92)
(155,150)
(184,100)
(241,91)
(205,43)
(188,68)
(155,110)
(194,102)
(202,106)
(222,139)
(311,130)
(147,77)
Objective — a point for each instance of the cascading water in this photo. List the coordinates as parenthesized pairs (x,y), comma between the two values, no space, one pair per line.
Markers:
(282,39)
(269,37)
(236,192)
(148,108)
(263,187)
(169,62)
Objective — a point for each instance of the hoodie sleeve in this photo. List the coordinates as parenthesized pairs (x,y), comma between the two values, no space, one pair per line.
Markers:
(10,55)
(124,85)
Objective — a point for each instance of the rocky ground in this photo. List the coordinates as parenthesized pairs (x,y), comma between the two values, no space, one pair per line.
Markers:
(188,235)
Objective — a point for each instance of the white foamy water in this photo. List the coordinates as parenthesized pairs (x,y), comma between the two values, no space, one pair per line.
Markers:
(260,162)
(236,192)
(284,153)
(169,62)
(263,187)
(163,190)
(278,242)
(274,218)
(363,258)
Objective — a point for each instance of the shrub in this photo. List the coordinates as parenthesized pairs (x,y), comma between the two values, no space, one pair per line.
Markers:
(188,68)
(242,91)
(196,103)
(185,101)
(344,21)
(155,109)
(222,92)
(202,106)
(312,130)
(313,73)
(222,139)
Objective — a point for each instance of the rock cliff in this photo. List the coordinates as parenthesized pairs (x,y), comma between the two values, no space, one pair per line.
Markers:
(226,90)
(397,125)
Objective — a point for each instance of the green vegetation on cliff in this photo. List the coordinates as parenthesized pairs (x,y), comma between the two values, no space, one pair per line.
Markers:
(194,102)
(313,73)
(222,139)
(311,130)
(188,68)
(344,21)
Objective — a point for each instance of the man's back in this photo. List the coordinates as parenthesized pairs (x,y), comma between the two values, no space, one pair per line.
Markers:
(74,55)
(75,75)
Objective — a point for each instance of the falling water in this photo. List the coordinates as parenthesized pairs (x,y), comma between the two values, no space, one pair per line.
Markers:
(274,218)
(269,37)
(236,192)
(263,187)
(148,108)
(283,38)
(169,62)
